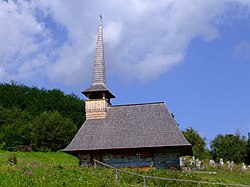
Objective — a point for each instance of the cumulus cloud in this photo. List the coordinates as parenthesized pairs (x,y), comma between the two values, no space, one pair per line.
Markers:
(143,38)
(24,42)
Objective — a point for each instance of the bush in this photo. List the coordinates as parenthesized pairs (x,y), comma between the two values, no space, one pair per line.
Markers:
(12,160)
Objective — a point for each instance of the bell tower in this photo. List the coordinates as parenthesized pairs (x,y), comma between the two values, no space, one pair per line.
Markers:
(98,95)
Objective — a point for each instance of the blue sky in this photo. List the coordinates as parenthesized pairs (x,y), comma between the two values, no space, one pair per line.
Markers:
(194,55)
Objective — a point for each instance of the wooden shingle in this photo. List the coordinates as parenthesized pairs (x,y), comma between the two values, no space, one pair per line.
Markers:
(130,126)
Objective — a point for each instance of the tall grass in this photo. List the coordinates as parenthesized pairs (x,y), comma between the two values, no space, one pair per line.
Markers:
(60,169)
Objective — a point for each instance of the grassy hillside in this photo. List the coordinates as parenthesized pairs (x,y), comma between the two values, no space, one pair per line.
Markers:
(59,169)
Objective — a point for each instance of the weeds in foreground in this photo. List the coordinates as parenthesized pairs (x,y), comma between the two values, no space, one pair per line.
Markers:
(59,169)
(12,160)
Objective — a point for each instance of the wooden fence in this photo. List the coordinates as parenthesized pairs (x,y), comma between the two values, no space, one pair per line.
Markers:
(144,177)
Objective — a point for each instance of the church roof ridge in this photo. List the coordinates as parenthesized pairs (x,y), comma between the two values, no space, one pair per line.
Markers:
(136,104)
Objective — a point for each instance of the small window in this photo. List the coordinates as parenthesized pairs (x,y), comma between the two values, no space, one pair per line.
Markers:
(138,155)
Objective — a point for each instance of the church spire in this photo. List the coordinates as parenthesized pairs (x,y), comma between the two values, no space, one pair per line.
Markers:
(98,95)
(99,74)
(98,89)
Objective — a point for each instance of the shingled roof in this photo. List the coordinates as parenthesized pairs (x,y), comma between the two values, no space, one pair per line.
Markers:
(98,88)
(129,126)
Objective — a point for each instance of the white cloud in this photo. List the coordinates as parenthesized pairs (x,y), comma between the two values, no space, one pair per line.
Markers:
(22,40)
(113,34)
(143,38)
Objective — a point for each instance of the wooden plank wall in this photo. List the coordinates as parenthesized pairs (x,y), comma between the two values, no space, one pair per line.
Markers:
(159,160)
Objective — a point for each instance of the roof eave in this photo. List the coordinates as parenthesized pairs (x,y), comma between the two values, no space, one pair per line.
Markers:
(107,92)
(186,149)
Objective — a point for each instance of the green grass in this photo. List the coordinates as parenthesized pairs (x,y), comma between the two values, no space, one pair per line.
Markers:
(41,157)
(46,169)
(60,169)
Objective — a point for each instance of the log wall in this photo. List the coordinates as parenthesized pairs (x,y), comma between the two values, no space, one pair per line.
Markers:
(159,160)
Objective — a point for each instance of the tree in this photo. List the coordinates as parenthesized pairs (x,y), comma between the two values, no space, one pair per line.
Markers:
(230,147)
(248,149)
(198,143)
(21,107)
(52,131)
(35,101)
(14,128)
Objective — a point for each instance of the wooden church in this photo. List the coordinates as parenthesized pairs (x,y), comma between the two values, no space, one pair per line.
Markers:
(133,135)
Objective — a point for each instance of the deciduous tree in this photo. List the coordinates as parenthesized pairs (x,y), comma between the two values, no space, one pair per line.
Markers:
(14,128)
(230,147)
(35,101)
(52,131)
(248,150)
(198,143)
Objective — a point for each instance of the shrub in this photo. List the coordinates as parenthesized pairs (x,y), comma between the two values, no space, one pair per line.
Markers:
(12,160)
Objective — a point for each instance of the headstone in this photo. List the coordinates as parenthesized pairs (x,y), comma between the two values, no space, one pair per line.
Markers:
(230,165)
(212,162)
(221,161)
(198,163)
(244,167)
(181,162)
(191,161)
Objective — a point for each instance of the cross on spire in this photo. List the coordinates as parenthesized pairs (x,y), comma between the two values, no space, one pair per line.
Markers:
(100,18)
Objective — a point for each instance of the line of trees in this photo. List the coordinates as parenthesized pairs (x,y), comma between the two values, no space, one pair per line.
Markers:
(37,119)
(230,147)
(43,120)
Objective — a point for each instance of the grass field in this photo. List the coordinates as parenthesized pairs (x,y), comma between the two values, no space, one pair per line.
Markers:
(60,169)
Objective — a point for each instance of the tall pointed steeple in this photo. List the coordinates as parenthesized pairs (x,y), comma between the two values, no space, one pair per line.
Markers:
(98,95)
(99,74)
